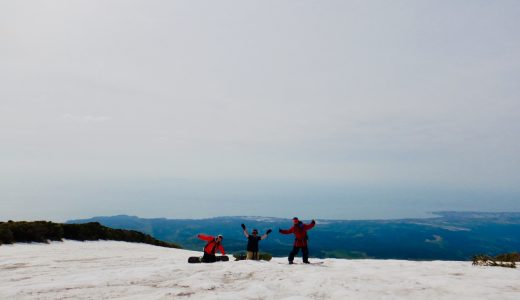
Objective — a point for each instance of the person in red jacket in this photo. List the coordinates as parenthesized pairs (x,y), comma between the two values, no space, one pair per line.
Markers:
(214,244)
(300,242)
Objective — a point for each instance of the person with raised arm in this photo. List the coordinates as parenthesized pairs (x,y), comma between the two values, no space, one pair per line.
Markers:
(252,242)
(299,229)
(213,244)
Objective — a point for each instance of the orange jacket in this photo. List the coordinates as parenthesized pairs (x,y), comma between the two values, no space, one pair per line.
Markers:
(212,246)
(300,233)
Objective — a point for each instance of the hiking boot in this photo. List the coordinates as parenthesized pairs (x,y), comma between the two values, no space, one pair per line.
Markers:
(306,262)
(291,263)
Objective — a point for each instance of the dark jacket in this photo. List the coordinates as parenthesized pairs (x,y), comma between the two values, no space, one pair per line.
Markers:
(252,243)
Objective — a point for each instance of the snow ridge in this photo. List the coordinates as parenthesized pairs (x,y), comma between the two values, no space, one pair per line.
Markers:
(108,269)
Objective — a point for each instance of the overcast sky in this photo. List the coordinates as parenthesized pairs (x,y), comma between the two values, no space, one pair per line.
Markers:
(204,108)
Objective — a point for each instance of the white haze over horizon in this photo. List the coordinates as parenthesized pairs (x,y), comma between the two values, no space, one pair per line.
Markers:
(325,109)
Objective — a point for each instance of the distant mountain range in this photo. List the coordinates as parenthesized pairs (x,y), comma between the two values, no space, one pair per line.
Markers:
(448,236)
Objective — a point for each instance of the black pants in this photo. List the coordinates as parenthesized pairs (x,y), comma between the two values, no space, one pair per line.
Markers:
(209,258)
(295,250)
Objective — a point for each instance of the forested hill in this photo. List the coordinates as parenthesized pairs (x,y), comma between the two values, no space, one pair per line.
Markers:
(448,236)
(44,231)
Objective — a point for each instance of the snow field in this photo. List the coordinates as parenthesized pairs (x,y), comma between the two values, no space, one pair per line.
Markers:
(119,270)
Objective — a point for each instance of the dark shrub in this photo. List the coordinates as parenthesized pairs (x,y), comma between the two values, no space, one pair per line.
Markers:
(509,257)
(503,260)
(6,236)
(262,256)
(39,231)
(42,232)
(265,256)
(84,232)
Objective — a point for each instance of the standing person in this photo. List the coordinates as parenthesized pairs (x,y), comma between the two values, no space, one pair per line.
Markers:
(300,242)
(252,242)
(214,244)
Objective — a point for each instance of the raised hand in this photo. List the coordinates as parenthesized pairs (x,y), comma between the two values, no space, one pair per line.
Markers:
(243,226)
(269,231)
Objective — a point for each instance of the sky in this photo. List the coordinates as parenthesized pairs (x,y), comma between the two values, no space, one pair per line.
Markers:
(190,109)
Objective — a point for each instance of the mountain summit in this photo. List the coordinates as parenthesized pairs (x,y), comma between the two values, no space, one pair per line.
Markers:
(109,269)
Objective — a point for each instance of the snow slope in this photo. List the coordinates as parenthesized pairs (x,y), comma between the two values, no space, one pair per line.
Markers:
(108,270)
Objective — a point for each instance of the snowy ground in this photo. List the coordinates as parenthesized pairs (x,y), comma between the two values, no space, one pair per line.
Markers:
(118,270)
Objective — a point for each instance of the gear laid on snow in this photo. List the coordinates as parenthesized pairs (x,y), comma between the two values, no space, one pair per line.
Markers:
(198,259)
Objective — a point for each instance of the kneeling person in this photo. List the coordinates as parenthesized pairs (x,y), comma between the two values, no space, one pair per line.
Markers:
(214,244)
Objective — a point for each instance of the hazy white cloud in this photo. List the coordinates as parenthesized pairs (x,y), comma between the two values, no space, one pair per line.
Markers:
(412,93)
(85,118)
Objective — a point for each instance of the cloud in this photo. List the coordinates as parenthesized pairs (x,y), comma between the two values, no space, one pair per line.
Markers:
(162,139)
(85,119)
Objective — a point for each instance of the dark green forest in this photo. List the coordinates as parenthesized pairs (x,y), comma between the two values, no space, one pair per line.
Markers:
(43,232)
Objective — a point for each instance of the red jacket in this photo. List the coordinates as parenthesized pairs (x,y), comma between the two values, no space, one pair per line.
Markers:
(300,233)
(212,246)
